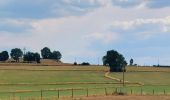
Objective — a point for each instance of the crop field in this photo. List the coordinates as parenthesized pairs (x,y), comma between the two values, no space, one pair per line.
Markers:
(35,81)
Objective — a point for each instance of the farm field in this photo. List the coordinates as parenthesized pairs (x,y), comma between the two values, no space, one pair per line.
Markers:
(29,81)
(147,78)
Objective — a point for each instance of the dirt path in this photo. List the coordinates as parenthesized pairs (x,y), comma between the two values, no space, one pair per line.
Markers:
(119,80)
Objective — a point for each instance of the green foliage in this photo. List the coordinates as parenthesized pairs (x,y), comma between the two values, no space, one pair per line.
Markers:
(115,60)
(47,54)
(16,54)
(37,57)
(4,56)
(131,62)
(30,56)
(56,55)
(85,63)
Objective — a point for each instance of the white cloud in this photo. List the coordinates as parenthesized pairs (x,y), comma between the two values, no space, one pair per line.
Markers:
(106,37)
(105,25)
(143,28)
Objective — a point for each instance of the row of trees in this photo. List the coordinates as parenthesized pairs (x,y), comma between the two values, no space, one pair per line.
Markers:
(30,56)
(17,54)
(47,54)
(4,56)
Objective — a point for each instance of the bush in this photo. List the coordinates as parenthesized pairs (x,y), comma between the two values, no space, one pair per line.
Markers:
(75,63)
(85,63)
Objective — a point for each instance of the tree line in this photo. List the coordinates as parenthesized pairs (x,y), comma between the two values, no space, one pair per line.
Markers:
(113,59)
(29,56)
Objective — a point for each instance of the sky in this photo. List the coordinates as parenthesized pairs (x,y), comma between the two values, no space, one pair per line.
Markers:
(86,29)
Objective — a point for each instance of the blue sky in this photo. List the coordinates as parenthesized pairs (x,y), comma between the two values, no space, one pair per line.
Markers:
(86,29)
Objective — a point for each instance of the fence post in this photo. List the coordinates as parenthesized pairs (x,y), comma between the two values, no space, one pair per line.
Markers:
(105,91)
(87,92)
(58,93)
(13,95)
(41,95)
(141,91)
(153,91)
(164,92)
(116,91)
(72,93)
(131,91)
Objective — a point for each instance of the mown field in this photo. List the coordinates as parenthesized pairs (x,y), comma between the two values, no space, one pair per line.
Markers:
(30,81)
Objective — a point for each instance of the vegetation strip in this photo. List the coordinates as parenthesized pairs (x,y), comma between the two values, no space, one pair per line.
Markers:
(65,83)
(54,70)
(119,80)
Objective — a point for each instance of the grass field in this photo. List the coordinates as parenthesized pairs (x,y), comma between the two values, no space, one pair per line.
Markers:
(148,78)
(22,79)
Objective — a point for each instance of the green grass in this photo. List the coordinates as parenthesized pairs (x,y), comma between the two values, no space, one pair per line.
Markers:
(14,76)
(148,78)
(38,78)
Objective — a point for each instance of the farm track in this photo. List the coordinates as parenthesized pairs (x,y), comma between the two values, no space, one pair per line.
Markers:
(121,81)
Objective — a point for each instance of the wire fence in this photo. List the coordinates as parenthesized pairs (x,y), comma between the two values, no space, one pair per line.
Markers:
(54,94)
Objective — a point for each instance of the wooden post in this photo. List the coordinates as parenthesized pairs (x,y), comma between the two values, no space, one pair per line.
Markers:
(131,91)
(141,92)
(58,93)
(105,91)
(116,91)
(41,95)
(72,93)
(87,92)
(123,76)
(13,95)
(153,91)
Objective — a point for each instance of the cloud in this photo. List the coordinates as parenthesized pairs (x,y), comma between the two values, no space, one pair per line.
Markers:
(14,26)
(127,3)
(106,37)
(85,28)
(158,3)
(143,28)
(45,9)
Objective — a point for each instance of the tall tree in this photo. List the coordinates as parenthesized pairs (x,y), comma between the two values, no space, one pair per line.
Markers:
(4,56)
(104,60)
(16,54)
(56,55)
(115,60)
(37,57)
(131,62)
(30,56)
(45,53)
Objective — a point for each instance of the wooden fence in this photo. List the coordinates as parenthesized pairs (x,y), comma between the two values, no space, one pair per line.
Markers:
(78,92)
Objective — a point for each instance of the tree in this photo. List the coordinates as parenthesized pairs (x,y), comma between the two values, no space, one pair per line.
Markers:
(4,56)
(85,64)
(56,55)
(16,54)
(37,57)
(131,62)
(115,60)
(30,56)
(104,61)
(45,53)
